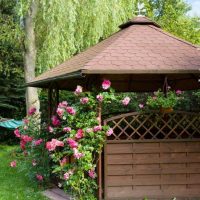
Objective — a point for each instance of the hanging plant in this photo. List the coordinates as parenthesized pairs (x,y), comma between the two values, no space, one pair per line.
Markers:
(164,102)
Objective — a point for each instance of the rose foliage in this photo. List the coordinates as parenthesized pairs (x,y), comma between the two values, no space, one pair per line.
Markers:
(73,141)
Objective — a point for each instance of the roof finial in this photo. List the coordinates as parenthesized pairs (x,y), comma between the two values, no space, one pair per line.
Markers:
(141,9)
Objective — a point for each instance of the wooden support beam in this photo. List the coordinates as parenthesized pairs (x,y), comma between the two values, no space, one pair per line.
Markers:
(53,100)
(99,164)
(49,104)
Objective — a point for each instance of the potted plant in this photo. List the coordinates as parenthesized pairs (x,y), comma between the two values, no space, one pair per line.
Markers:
(164,102)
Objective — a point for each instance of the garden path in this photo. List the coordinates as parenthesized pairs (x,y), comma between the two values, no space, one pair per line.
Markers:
(56,194)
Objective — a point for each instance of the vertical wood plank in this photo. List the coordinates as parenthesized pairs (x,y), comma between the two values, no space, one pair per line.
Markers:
(99,164)
(49,104)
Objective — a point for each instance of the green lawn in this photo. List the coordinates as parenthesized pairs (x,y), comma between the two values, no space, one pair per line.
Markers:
(14,185)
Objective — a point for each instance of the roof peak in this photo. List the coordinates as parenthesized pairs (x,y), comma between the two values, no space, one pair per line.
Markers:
(139,20)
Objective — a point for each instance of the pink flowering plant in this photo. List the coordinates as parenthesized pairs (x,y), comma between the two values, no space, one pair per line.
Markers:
(32,139)
(72,141)
(80,139)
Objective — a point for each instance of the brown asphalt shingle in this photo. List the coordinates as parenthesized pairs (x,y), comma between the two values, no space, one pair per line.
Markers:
(137,48)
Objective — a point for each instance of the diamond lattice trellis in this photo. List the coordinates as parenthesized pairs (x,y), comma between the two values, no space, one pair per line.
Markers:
(154,125)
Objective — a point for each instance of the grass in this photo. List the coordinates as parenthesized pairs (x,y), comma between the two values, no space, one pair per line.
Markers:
(14,185)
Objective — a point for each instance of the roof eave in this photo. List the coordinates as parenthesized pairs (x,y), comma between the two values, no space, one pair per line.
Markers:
(193,71)
(36,83)
(81,73)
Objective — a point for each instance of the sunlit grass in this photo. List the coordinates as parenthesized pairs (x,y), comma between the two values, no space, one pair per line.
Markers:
(13,182)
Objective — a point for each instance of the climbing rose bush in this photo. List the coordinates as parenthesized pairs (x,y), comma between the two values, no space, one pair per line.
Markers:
(33,137)
(80,139)
(73,141)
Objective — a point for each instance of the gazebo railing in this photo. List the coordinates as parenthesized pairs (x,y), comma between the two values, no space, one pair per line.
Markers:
(155,126)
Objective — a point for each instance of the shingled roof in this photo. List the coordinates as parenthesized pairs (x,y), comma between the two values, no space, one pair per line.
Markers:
(140,47)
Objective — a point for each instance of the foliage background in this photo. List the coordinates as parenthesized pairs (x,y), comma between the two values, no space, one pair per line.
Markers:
(65,28)
(11,63)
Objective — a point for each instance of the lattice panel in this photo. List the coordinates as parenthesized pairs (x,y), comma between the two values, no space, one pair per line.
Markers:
(140,126)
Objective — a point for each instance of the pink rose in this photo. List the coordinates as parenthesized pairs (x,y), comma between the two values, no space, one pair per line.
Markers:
(97,128)
(26,121)
(63,104)
(92,173)
(178,92)
(79,134)
(63,161)
(154,97)
(34,163)
(50,129)
(55,121)
(99,97)
(13,163)
(126,101)
(32,111)
(77,154)
(109,132)
(17,133)
(68,174)
(60,112)
(23,145)
(106,84)
(51,146)
(38,142)
(71,110)
(84,100)
(26,138)
(141,106)
(58,143)
(67,129)
(78,90)
(72,143)
(39,177)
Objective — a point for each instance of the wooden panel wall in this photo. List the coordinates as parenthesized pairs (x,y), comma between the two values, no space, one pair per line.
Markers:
(153,169)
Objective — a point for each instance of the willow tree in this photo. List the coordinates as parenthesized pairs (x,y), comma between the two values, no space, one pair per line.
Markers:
(66,27)
(28,12)
(58,29)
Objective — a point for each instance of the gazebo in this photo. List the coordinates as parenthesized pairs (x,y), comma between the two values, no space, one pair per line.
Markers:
(148,154)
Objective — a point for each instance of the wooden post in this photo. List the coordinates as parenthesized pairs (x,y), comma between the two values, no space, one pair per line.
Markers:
(49,104)
(165,86)
(57,97)
(99,164)
(53,100)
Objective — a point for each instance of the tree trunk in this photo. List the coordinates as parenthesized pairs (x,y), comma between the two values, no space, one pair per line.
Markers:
(30,55)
